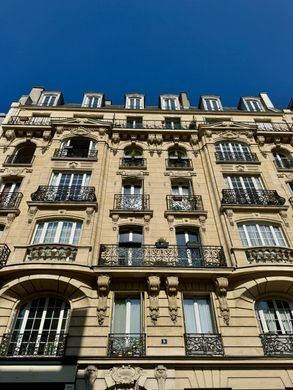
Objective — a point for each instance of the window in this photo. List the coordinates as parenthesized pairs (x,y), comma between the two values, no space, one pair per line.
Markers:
(133,157)
(57,232)
(23,154)
(40,328)
(275,316)
(243,182)
(77,148)
(189,247)
(9,194)
(49,100)
(134,102)
(232,151)
(68,186)
(181,198)
(253,105)
(173,123)
(92,101)
(170,103)
(130,246)
(134,122)
(283,160)
(261,234)
(212,104)
(132,196)
(198,315)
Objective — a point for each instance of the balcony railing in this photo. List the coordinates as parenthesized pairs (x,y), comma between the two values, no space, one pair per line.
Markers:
(32,344)
(277,344)
(269,254)
(126,345)
(274,126)
(4,254)
(184,203)
(51,252)
(129,162)
(196,256)
(64,194)
(178,163)
(10,200)
(236,157)
(203,344)
(15,159)
(250,197)
(32,121)
(131,202)
(152,124)
(70,153)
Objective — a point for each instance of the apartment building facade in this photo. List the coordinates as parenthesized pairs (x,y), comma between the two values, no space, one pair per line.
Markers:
(146,248)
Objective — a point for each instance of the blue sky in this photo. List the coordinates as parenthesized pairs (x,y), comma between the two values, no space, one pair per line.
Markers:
(224,47)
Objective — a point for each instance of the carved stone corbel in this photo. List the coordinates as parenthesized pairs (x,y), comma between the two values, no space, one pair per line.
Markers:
(202,220)
(90,376)
(147,219)
(103,283)
(284,215)
(172,283)
(115,219)
(230,216)
(89,213)
(47,135)
(261,140)
(31,213)
(161,376)
(59,129)
(193,139)
(10,135)
(115,138)
(125,377)
(154,290)
(9,218)
(221,285)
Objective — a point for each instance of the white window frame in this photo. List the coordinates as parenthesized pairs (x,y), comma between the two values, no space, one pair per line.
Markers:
(166,103)
(134,121)
(57,176)
(87,100)
(253,105)
(128,304)
(134,102)
(277,316)
(198,317)
(171,123)
(58,230)
(256,181)
(247,239)
(212,104)
(52,101)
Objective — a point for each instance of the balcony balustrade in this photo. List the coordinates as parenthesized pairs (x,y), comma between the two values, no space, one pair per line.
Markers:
(274,126)
(31,121)
(131,202)
(251,196)
(16,159)
(4,254)
(203,344)
(154,124)
(196,256)
(132,162)
(32,344)
(178,163)
(126,345)
(247,157)
(71,153)
(64,194)
(184,203)
(51,252)
(277,344)
(267,254)
(10,200)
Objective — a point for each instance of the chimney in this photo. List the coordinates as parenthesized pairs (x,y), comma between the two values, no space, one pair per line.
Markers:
(184,100)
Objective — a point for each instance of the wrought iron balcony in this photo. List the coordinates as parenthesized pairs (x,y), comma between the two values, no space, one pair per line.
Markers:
(32,344)
(132,162)
(71,153)
(196,256)
(155,124)
(51,252)
(4,254)
(131,202)
(277,344)
(126,345)
(178,163)
(15,159)
(184,202)
(64,194)
(10,200)
(236,157)
(252,197)
(203,344)
(269,254)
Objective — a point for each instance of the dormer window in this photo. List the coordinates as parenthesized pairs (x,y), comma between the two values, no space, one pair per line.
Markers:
(49,100)
(211,104)
(253,105)
(170,103)
(134,102)
(92,101)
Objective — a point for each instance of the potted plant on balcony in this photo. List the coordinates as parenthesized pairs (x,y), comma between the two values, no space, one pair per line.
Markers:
(161,243)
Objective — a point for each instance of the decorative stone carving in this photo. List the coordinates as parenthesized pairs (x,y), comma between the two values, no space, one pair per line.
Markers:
(151,139)
(31,213)
(284,215)
(170,219)
(230,216)
(80,131)
(126,376)
(115,219)
(161,376)
(10,135)
(193,139)
(147,219)
(261,140)
(103,283)
(159,139)
(202,220)
(73,164)
(172,289)
(154,290)
(89,213)
(47,135)
(90,376)
(10,218)
(59,129)
(240,168)
(115,138)
(221,285)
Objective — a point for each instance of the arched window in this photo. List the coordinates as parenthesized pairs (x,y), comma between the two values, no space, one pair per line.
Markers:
(133,157)
(23,154)
(177,158)
(283,159)
(40,328)
(234,151)
(77,148)
(261,234)
(130,251)
(275,316)
(57,232)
